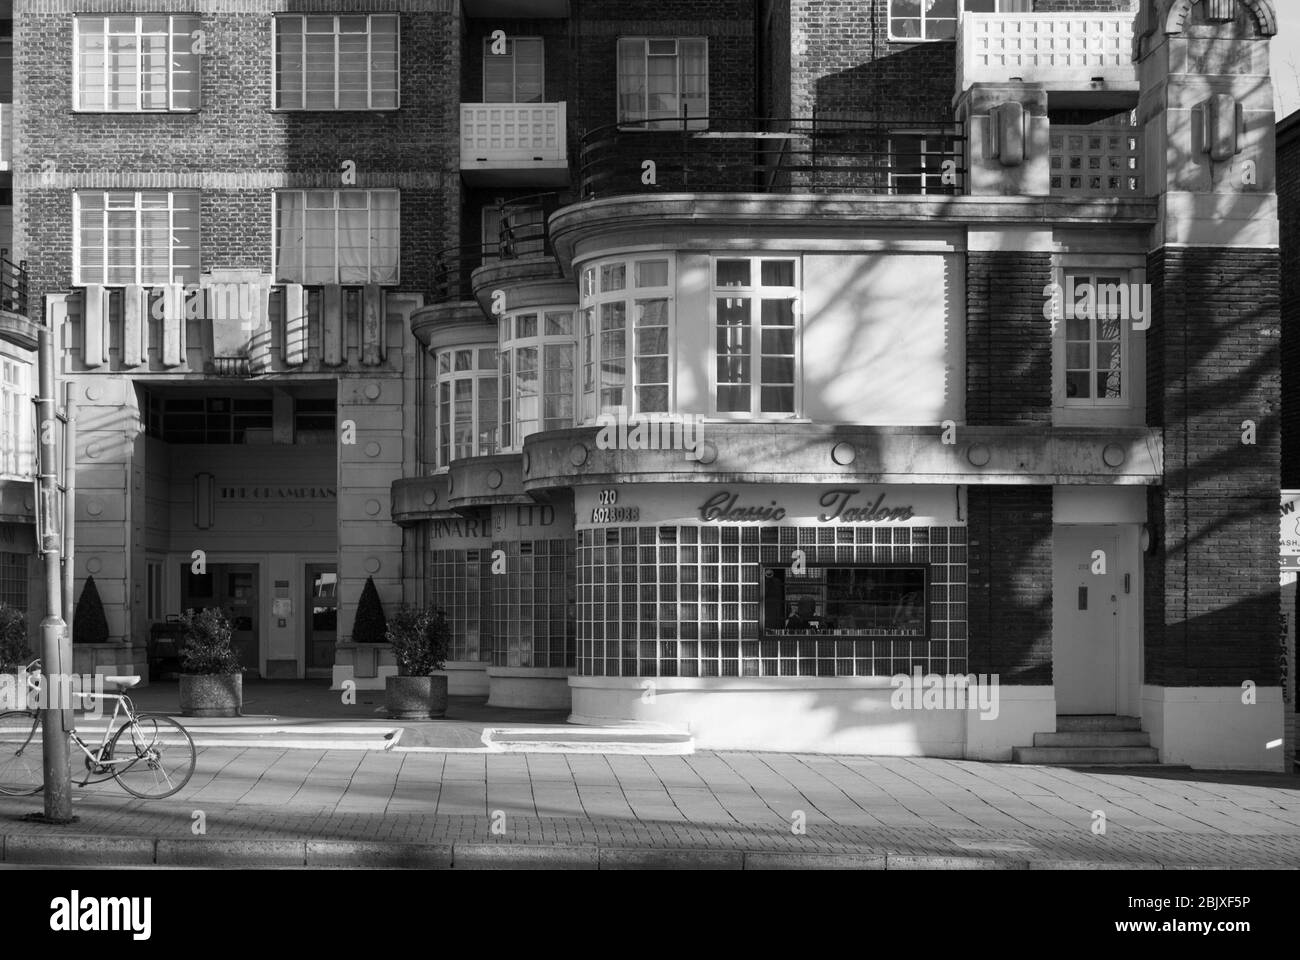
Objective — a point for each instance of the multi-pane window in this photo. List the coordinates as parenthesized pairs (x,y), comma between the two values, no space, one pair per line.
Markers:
(937,19)
(537,374)
(133,64)
(210,420)
(329,62)
(466,408)
(916,163)
(625,324)
(516,75)
(755,304)
(17,443)
(663,79)
(1094,326)
(336,236)
(137,236)
(13,580)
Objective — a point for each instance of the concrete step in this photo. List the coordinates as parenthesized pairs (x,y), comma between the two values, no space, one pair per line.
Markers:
(1094,738)
(1085,756)
(1083,724)
(577,739)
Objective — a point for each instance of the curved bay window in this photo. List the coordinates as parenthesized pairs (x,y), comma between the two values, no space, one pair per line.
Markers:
(537,374)
(465,408)
(626,323)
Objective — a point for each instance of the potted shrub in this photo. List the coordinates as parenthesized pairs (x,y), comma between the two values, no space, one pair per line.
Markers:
(15,654)
(89,625)
(370,625)
(212,679)
(421,640)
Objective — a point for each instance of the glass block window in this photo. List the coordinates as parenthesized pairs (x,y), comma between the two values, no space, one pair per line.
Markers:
(755,315)
(13,580)
(460,584)
(626,334)
(132,237)
(137,64)
(17,436)
(533,604)
(336,62)
(465,404)
(689,601)
(1096,161)
(538,387)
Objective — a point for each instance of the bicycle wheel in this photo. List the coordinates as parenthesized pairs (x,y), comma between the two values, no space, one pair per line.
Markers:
(22,761)
(163,755)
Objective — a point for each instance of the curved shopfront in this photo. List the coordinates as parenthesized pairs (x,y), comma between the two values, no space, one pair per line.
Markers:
(771,617)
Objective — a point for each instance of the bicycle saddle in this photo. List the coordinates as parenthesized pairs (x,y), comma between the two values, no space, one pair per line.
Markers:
(124,683)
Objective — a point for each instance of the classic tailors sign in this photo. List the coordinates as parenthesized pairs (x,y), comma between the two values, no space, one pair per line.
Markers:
(726,507)
(791,505)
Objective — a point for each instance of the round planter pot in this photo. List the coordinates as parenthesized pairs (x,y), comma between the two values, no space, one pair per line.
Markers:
(416,698)
(211,695)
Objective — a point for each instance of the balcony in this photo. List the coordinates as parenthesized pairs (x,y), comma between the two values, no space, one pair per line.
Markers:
(823,154)
(516,9)
(1062,51)
(513,144)
(13,285)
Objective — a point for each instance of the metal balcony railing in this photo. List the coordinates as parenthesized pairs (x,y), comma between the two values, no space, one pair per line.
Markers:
(821,154)
(13,284)
(452,268)
(524,230)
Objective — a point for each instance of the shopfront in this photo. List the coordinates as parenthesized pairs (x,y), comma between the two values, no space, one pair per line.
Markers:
(770,616)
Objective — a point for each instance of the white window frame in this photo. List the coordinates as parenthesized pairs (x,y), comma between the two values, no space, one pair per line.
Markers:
(644,121)
(17,459)
(592,297)
(173,276)
(275,233)
(514,64)
(1060,340)
(927,175)
(755,292)
(283,18)
(1002,6)
(477,374)
(195,22)
(540,341)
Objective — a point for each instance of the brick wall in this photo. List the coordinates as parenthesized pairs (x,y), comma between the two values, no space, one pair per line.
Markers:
(1288,211)
(1213,362)
(235,148)
(1010,594)
(1008,340)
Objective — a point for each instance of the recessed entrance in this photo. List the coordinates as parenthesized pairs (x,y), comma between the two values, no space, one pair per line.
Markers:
(231,587)
(322,617)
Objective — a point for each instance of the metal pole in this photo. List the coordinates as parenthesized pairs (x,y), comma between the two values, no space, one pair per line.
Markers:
(69,502)
(56,647)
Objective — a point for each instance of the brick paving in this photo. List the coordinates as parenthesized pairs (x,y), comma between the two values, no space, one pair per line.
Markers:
(711,801)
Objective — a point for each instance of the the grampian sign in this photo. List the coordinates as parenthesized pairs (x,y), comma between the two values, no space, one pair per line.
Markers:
(276,493)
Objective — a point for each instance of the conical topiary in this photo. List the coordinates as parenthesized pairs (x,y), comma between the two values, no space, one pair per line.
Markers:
(370,625)
(89,625)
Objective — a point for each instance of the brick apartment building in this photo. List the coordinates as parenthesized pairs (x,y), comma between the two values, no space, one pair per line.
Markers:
(359,288)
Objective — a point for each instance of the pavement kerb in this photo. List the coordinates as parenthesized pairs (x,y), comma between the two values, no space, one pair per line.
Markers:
(99,851)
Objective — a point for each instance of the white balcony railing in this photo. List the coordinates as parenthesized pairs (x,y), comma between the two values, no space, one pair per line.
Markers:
(6,135)
(1063,50)
(513,142)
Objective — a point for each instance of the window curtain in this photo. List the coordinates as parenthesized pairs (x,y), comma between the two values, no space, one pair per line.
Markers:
(631,80)
(694,56)
(385,235)
(289,213)
(353,236)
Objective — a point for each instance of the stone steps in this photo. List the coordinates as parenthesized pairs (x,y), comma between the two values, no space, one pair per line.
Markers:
(1091,741)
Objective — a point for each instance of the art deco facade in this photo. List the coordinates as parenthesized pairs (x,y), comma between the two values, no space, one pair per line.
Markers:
(350,289)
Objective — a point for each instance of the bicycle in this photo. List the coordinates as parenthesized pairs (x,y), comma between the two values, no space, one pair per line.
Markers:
(151,756)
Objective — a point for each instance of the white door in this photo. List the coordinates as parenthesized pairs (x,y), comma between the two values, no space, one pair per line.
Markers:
(1086,581)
